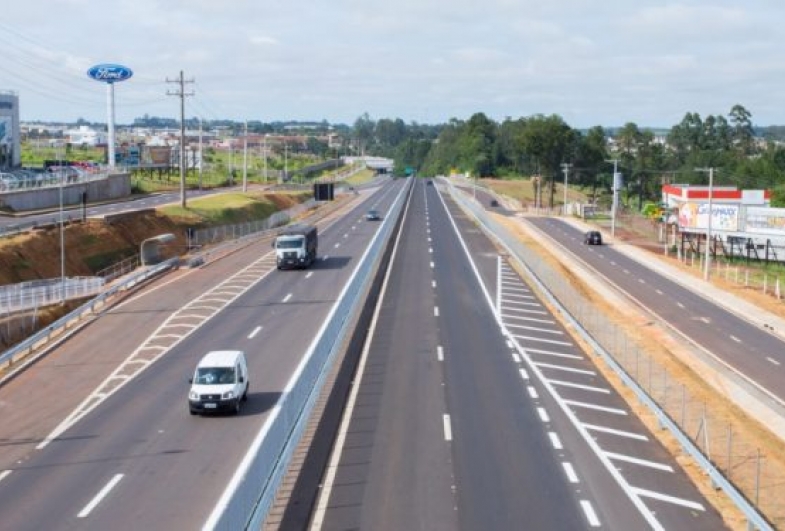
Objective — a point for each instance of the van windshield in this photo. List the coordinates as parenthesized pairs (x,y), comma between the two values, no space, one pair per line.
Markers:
(214,375)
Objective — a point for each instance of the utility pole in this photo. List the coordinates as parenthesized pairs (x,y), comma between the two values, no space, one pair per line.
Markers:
(201,160)
(245,158)
(707,260)
(285,161)
(615,186)
(566,169)
(181,94)
(265,157)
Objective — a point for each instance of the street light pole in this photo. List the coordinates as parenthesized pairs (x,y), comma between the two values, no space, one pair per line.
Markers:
(707,260)
(201,160)
(265,157)
(566,169)
(62,236)
(245,158)
(615,200)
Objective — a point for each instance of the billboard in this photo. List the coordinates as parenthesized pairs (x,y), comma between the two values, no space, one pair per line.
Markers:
(760,220)
(695,217)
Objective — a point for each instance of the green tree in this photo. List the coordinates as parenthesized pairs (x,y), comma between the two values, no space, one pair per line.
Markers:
(549,141)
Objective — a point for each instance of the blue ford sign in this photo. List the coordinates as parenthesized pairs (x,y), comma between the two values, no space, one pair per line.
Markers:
(109,73)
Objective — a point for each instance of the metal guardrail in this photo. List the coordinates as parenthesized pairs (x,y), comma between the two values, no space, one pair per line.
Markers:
(251,492)
(541,275)
(59,327)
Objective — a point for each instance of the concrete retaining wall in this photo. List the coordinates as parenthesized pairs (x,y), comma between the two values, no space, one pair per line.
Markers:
(115,186)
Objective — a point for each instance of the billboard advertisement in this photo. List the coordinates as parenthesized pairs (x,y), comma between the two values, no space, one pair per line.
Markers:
(695,217)
(760,220)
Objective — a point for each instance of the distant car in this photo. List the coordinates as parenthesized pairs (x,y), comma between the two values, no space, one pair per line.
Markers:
(593,237)
(494,203)
(373,215)
(429,182)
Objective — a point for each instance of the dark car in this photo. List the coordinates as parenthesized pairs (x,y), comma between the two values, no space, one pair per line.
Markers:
(494,203)
(593,237)
(373,215)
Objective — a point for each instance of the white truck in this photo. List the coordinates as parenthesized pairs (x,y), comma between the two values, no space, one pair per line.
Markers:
(295,246)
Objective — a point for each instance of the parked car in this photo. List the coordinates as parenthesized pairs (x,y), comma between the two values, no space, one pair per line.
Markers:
(373,215)
(593,237)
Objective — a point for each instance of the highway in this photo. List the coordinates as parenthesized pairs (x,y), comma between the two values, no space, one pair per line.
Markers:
(752,352)
(463,417)
(97,434)
(468,418)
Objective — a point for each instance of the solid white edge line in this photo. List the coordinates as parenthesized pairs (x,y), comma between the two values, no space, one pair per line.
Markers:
(447,427)
(332,467)
(100,496)
(591,516)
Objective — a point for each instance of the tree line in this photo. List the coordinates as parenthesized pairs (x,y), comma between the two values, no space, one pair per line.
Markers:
(539,145)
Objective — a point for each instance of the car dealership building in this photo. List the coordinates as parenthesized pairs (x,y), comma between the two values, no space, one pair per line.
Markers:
(10,148)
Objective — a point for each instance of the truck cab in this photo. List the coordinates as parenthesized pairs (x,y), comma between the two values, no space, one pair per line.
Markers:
(296,246)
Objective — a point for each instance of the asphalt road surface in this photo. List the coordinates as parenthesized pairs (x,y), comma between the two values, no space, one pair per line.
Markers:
(474,409)
(81,451)
(749,350)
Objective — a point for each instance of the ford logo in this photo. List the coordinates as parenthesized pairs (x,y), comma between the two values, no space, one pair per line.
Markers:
(109,73)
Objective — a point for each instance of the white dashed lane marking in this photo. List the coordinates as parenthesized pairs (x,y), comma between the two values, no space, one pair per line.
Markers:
(571,475)
(100,496)
(447,428)
(591,516)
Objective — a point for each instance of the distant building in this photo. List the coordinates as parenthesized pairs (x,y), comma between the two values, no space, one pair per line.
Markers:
(85,136)
(10,139)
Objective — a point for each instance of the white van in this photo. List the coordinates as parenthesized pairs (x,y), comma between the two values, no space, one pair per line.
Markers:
(219,383)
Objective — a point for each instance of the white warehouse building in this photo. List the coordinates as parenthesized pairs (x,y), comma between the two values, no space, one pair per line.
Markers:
(10,140)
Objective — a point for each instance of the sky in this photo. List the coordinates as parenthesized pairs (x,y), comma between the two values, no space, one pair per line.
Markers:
(592,62)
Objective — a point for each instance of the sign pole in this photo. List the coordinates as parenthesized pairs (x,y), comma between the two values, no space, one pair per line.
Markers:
(110,124)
